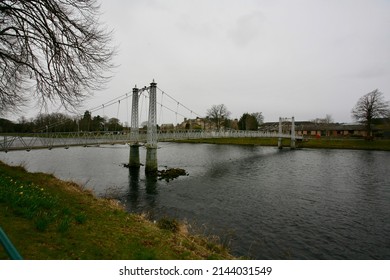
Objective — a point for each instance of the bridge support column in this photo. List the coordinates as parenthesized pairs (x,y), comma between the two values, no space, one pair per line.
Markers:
(280,145)
(134,156)
(151,161)
(151,145)
(292,145)
(134,132)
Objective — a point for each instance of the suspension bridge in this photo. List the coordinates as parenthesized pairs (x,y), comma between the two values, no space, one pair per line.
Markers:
(135,137)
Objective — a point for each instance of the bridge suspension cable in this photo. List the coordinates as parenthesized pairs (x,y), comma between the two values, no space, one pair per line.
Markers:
(179,103)
(166,107)
(110,102)
(142,92)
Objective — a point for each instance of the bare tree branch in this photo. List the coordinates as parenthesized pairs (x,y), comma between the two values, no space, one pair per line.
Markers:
(52,50)
(217,114)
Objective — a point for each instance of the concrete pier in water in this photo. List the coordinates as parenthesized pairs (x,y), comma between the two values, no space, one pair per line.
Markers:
(151,161)
(134,161)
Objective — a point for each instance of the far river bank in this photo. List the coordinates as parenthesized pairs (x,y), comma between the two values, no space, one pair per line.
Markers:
(320,143)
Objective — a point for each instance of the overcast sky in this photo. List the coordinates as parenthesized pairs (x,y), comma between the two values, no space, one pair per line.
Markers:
(302,58)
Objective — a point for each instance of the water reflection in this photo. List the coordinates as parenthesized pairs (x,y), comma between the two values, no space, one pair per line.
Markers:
(151,184)
(133,194)
(142,192)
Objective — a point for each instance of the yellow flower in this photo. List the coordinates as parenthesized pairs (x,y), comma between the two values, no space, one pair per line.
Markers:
(42,189)
(21,193)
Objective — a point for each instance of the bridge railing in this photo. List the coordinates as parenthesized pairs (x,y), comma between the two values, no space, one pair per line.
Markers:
(200,134)
(28,141)
(49,140)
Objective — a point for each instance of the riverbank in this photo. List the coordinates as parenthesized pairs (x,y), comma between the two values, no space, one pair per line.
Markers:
(47,218)
(321,143)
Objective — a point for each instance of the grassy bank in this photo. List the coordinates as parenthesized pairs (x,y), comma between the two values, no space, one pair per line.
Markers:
(355,144)
(358,144)
(47,218)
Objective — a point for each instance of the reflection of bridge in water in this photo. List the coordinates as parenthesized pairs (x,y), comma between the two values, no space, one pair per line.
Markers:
(135,138)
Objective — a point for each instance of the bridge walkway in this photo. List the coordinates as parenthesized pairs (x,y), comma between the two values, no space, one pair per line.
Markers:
(30,141)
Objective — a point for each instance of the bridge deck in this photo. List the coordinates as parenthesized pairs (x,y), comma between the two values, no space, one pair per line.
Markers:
(31,141)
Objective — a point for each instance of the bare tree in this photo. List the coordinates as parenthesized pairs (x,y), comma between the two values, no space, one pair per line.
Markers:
(370,106)
(328,119)
(218,114)
(323,121)
(259,117)
(51,50)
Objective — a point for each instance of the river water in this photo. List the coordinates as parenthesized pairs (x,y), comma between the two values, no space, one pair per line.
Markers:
(264,203)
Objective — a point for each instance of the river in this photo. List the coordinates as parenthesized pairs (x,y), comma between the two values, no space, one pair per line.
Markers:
(263,202)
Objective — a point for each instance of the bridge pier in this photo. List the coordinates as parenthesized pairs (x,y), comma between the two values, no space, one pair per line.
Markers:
(134,156)
(151,144)
(151,161)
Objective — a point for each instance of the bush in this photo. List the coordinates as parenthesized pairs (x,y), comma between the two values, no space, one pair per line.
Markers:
(168,224)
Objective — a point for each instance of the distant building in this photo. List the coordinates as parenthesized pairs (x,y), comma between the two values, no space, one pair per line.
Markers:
(306,128)
(167,127)
(334,130)
(198,123)
(381,128)
(207,124)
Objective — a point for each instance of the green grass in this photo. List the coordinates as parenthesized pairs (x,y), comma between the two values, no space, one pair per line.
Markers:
(356,144)
(47,218)
(322,143)
(31,202)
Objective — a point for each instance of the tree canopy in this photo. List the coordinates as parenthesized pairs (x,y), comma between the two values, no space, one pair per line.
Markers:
(218,114)
(250,121)
(59,122)
(369,107)
(52,51)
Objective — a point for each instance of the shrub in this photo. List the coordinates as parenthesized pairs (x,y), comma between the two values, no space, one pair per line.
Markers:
(168,224)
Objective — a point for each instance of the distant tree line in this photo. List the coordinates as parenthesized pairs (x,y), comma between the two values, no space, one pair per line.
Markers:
(219,115)
(59,122)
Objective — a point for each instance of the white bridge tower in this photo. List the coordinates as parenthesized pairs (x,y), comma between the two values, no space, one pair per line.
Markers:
(292,143)
(151,143)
